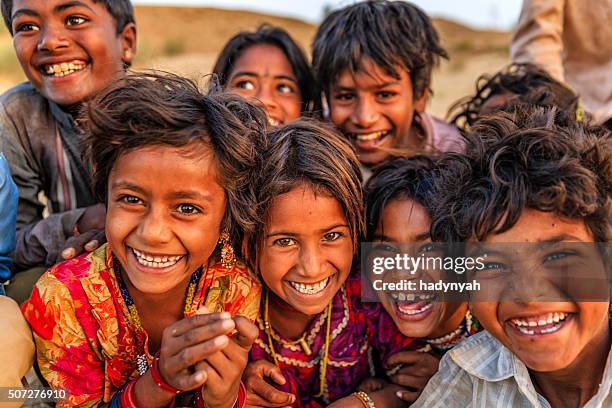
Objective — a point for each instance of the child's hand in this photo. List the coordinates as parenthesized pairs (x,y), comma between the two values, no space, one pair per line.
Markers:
(224,368)
(87,241)
(259,392)
(372,384)
(417,369)
(183,344)
(189,341)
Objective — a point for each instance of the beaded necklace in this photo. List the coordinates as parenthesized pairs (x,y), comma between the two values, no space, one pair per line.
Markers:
(468,327)
(134,320)
(270,332)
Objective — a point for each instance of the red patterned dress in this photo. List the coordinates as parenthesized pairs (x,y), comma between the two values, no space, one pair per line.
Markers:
(80,321)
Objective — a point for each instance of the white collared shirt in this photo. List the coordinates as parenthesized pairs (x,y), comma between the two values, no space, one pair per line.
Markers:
(481,372)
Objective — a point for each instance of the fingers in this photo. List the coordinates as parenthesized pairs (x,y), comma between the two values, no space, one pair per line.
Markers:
(271,396)
(190,382)
(407,380)
(408,396)
(215,328)
(246,332)
(87,241)
(192,355)
(199,320)
(405,357)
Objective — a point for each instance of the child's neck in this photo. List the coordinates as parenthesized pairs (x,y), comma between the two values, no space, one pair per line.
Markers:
(286,320)
(452,320)
(575,385)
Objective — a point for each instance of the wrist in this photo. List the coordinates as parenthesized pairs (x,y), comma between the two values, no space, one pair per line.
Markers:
(239,400)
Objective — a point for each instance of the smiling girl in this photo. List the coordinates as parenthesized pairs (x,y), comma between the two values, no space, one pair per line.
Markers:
(269,66)
(144,319)
(314,330)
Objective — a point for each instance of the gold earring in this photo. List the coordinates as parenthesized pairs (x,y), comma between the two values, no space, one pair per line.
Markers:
(228,257)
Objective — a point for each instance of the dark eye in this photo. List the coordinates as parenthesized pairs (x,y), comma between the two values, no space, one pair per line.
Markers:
(384,247)
(187,209)
(75,20)
(386,94)
(247,85)
(427,248)
(345,96)
(558,255)
(26,27)
(284,242)
(331,236)
(493,266)
(285,88)
(130,199)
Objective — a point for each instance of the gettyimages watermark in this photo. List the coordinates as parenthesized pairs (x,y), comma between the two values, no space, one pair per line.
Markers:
(458,272)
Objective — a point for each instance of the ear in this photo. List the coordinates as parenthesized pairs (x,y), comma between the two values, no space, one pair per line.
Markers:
(421,101)
(128,43)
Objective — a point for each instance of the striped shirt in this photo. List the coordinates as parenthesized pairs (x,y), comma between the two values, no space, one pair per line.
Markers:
(481,372)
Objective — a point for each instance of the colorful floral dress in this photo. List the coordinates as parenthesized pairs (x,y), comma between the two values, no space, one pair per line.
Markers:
(358,344)
(80,322)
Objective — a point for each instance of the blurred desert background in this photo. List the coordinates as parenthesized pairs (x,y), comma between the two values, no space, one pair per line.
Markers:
(186,40)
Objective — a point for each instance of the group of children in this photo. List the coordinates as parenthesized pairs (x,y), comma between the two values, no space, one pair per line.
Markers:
(210,241)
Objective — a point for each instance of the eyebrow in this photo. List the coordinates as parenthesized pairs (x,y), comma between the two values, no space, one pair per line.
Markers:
(560,238)
(193,195)
(57,9)
(377,86)
(293,234)
(69,4)
(253,74)
(126,185)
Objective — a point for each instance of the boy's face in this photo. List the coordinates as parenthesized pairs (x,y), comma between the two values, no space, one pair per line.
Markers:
(375,110)
(164,214)
(307,249)
(546,336)
(405,222)
(69,50)
(263,72)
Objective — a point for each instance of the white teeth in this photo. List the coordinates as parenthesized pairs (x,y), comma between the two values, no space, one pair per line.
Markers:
(402,297)
(371,136)
(64,68)
(155,262)
(405,310)
(543,320)
(310,289)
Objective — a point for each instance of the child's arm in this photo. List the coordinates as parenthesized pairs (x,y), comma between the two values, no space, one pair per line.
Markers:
(259,392)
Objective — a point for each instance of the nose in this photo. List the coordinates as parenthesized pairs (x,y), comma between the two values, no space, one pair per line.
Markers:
(52,38)
(365,114)
(155,228)
(266,95)
(312,261)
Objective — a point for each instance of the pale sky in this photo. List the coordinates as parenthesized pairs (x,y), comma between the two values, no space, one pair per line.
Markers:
(497,14)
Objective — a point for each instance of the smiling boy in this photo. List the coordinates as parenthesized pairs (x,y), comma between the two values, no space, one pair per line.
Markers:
(527,180)
(373,61)
(69,51)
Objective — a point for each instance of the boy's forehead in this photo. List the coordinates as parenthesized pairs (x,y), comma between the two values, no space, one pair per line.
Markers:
(539,226)
(369,74)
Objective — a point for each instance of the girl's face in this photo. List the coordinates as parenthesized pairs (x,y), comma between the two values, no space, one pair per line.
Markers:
(164,214)
(404,228)
(263,72)
(307,249)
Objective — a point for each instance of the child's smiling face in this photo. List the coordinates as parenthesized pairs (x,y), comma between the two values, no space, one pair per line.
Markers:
(164,213)
(307,249)
(263,72)
(375,110)
(404,221)
(69,50)
(546,336)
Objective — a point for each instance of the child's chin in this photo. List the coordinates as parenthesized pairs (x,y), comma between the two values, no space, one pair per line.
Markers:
(548,362)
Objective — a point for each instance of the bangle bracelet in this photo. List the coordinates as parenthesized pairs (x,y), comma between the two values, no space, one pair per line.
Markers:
(365,399)
(159,380)
(126,400)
